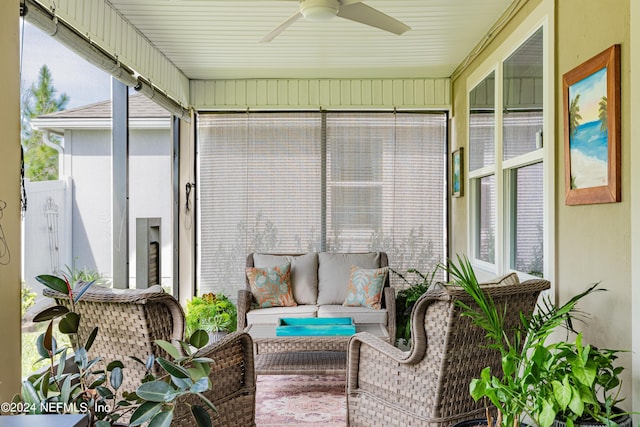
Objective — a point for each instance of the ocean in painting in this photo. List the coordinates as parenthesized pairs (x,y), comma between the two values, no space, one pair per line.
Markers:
(456,174)
(589,155)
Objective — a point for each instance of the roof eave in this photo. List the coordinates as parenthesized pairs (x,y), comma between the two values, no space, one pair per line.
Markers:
(59,125)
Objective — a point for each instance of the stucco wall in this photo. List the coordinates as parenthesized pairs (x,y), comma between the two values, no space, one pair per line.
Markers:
(150,157)
(10,193)
(592,242)
(634,151)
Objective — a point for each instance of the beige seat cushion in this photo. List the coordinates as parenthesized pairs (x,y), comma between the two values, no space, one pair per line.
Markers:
(507,279)
(304,273)
(334,270)
(272,314)
(358,314)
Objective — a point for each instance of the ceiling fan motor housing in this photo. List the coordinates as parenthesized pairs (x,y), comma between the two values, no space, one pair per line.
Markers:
(319,10)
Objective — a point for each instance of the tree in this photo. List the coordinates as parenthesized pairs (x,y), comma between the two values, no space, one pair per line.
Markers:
(41,161)
(603,114)
(574,115)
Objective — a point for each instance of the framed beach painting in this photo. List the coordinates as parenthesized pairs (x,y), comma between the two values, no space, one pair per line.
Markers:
(456,173)
(591,95)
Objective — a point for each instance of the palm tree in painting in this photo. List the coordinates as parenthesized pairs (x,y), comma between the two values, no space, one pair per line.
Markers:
(574,115)
(602,114)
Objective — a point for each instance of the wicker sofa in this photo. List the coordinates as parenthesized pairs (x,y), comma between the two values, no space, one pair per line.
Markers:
(319,283)
(129,322)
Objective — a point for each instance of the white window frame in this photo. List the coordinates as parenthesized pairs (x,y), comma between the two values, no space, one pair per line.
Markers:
(541,17)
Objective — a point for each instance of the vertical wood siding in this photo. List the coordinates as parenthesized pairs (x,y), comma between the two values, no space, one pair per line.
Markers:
(320,93)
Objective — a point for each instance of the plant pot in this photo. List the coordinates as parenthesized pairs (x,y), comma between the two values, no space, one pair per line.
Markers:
(622,421)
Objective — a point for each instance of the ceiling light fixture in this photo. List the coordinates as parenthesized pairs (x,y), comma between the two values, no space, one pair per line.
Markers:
(319,10)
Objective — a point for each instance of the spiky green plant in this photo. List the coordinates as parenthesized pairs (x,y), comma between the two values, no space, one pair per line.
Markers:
(541,380)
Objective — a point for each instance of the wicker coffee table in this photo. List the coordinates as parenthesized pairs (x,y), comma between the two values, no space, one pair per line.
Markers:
(303,355)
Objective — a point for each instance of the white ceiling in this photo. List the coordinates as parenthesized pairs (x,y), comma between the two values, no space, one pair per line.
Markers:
(217,39)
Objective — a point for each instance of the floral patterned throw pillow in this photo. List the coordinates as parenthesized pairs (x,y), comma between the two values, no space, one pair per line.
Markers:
(365,287)
(271,287)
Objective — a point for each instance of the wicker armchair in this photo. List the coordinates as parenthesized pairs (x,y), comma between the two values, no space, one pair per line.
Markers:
(428,386)
(129,322)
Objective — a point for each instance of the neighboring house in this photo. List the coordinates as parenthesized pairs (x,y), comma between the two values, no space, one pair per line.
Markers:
(68,222)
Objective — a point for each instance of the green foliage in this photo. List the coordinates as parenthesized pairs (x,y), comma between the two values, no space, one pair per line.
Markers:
(212,313)
(574,115)
(41,161)
(98,391)
(406,299)
(32,361)
(603,114)
(75,275)
(566,380)
(28,298)
(577,382)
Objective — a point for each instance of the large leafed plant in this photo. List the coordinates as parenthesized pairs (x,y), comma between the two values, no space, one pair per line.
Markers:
(98,392)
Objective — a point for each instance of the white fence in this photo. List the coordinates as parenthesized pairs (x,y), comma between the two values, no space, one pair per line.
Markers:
(46,229)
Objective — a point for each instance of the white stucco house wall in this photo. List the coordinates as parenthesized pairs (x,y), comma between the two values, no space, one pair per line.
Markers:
(79,231)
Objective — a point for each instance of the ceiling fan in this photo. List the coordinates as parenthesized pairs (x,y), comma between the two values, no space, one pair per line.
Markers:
(353,10)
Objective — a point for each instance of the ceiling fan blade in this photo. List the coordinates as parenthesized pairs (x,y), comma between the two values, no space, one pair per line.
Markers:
(280,28)
(360,12)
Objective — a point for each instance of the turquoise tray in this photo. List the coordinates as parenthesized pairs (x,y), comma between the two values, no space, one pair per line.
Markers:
(315,326)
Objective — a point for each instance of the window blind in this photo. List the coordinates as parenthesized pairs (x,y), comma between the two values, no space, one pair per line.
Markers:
(300,182)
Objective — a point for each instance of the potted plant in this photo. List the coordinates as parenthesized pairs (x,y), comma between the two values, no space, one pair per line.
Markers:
(581,385)
(86,389)
(213,313)
(406,299)
(564,381)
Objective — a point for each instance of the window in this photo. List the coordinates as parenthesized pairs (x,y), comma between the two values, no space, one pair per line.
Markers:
(358,146)
(355,156)
(522,154)
(526,214)
(506,161)
(482,124)
(309,181)
(486,214)
(482,131)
